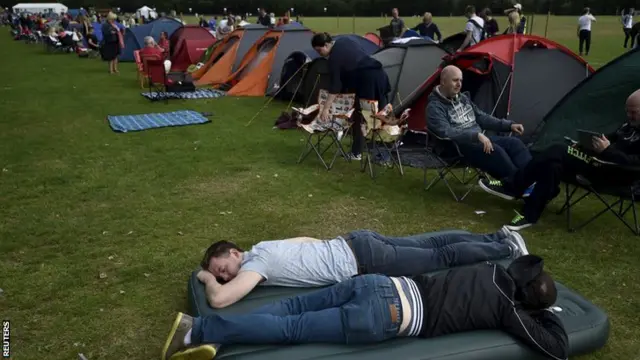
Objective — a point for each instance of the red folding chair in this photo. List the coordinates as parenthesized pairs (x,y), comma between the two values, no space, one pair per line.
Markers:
(157,78)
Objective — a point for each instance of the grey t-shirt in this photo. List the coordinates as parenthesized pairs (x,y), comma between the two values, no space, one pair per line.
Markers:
(397,26)
(295,264)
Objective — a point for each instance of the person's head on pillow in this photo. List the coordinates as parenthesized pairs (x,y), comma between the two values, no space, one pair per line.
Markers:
(535,288)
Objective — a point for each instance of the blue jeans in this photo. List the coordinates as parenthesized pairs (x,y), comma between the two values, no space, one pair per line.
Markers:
(509,155)
(422,253)
(355,311)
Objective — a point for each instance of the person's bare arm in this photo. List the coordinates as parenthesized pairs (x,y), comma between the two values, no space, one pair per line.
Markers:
(220,296)
(466,42)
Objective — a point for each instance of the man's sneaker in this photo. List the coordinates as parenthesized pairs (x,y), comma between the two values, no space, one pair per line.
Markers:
(519,240)
(528,191)
(352,156)
(503,233)
(175,347)
(515,250)
(518,223)
(494,187)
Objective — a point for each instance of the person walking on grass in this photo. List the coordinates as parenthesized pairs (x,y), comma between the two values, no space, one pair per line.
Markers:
(584,31)
(373,308)
(627,24)
(230,273)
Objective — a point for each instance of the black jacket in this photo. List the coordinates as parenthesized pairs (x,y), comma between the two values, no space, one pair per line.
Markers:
(624,148)
(481,297)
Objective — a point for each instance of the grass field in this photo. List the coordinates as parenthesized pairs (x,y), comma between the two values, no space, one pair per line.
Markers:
(78,200)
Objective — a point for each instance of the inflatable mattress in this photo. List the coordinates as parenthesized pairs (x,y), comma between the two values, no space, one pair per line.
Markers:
(586,325)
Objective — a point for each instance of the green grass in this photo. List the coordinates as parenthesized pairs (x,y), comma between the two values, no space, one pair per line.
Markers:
(78,200)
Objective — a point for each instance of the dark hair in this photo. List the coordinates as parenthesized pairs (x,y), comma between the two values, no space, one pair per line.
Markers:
(470,9)
(486,12)
(585,11)
(320,39)
(541,292)
(218,249)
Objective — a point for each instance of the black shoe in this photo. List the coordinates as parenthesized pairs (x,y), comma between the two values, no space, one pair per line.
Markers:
(495,187)
(518,223)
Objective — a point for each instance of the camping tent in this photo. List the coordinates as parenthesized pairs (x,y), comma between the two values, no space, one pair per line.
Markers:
(453,42)
(374,38)
(187,45)
(259,71)
(75,12)
(43,8)
(408,65)
(134,37)
(303,84)
(596,104)
(147,12)
(225,59)
(518,77)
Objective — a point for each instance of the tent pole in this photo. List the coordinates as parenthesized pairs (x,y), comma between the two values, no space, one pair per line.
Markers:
(312,90)
(546,26)
(274,96)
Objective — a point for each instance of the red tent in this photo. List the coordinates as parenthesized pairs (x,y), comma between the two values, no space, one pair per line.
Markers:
(518,77)
(187,46)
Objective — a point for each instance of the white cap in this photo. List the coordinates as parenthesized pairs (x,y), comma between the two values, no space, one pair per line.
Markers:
(518,6)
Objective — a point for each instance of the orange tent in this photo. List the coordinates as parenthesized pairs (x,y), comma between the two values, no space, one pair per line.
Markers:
(259,71)
(225,58)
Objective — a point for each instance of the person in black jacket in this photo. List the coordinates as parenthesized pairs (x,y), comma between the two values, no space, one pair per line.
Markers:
(373,308)
(562,162)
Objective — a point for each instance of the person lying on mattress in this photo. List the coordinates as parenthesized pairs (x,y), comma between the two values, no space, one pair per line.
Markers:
(229,273)
(373,308)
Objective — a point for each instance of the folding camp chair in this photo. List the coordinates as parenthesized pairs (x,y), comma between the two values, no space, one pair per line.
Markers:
(383,134)
(625,196)
(157,78)
(444,156)
(323,136)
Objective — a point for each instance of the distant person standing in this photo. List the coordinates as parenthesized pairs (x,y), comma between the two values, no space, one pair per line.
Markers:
(474,28)
(490,24)
(627,24)
(522,24)
(397,24)
(428,28)
(584,31)
(263,18)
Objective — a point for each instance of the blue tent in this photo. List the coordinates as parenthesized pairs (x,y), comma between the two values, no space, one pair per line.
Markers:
(134,37)
(299,83)
(410,33)
(75,12)
(97,31)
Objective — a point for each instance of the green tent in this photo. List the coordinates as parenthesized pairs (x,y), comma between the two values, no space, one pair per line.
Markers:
(597,103)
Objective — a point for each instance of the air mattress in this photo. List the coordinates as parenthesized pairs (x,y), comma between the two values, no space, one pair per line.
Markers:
(586,325)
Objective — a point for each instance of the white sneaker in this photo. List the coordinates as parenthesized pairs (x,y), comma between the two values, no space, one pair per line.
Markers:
(519,241)
(351,156)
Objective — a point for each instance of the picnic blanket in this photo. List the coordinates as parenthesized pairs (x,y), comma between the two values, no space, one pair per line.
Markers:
(126,123)
(198,94)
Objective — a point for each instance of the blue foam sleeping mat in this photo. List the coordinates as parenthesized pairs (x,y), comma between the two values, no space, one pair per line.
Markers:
(586,324)
(127,123)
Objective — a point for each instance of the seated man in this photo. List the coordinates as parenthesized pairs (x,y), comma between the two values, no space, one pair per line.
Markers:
(373,308)
(92,40)
(301,262)
(451,114)
(563,162)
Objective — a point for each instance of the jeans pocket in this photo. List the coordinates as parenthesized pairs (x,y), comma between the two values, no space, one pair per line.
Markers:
(360,325)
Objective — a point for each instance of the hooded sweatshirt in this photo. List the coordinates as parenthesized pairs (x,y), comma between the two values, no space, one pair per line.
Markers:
(459,119)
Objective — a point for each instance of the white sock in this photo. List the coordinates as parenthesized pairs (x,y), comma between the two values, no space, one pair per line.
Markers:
(187,338)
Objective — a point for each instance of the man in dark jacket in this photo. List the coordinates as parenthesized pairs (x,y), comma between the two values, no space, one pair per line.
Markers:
(562,162)
(373,308)
(453,115)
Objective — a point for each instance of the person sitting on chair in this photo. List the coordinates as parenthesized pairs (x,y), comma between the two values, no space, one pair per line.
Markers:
(451,114)
(154,51)
(561,162)
(373,308)
(304,261)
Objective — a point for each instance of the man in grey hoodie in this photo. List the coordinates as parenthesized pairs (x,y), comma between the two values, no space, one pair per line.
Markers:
(452,115)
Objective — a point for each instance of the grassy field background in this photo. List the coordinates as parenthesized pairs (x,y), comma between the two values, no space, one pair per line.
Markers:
(100,230)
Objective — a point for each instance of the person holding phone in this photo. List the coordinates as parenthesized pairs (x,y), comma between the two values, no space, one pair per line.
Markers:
(561,162)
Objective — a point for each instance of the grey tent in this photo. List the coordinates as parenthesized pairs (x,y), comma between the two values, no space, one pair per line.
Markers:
(595,104)
(408,65)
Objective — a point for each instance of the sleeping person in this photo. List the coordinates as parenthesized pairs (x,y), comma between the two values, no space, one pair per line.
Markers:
(229,273)
(373,308)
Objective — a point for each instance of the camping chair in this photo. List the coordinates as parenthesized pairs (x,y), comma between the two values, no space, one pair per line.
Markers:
(383,133)
(156,77)
(335,131)
(625,195)
(444,155)
(142,75)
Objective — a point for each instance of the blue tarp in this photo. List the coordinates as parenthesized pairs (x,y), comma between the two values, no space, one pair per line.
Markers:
(134,37)
(412,33)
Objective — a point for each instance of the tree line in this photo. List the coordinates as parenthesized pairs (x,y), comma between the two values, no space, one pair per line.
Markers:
(357,7)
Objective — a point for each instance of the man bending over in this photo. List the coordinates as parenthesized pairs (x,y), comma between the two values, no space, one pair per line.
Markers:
(373,308)
(452,115)
(229,273)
